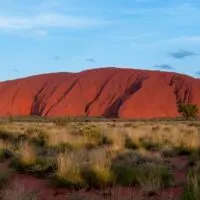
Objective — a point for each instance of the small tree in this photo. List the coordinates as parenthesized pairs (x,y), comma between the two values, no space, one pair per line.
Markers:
(188,110)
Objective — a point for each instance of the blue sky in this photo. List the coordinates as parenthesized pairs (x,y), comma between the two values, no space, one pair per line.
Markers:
(42,36)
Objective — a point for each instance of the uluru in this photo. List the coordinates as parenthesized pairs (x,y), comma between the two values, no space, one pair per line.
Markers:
(106,92)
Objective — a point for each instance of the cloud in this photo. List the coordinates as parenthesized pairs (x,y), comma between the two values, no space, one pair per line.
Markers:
(91,60)
(181,54)
(168,67)
(198,73)
(55,58)
(49,20)
(15,70)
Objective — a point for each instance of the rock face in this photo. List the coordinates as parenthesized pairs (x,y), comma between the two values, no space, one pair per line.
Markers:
(109,92)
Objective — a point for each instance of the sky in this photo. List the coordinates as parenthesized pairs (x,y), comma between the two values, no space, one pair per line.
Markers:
(43,36)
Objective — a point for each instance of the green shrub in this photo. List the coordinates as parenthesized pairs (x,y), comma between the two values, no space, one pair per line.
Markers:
(41,167)
(125,175)
(70,180)
(40,139)
(5,154)
(98,177)
(6,135)
(130,144)
(147,175)
(181,150)
(192,190)
(154,177)
(188,110)
(148,144)
(105,141)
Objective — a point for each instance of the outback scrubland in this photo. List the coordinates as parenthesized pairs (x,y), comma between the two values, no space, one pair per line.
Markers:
(60,159)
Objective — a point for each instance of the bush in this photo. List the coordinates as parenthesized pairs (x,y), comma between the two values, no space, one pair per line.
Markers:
(188,110)
(125,175)
(25,158)
(5,154)
(98,177)
(40,139)
(149,176)
(192,190)
(105,141)
(68,172)
(148,144)
(153,177)
(42,167)
(129,144)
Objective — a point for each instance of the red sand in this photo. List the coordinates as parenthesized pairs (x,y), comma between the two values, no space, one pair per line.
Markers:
(110,92)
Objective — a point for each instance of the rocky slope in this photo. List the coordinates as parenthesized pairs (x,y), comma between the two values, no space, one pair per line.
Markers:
(110,92)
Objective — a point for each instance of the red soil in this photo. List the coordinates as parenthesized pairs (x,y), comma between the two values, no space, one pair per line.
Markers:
(110,92)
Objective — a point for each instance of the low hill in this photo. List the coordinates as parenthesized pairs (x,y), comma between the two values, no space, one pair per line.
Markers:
(108,92)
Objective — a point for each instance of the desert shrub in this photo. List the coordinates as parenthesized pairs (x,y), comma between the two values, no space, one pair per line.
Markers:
(43,167)
(125,175)
(96,172)
(68,172)
(154,177)
(98,176)
(130,144)
(22,137)
(40,139)
(24,158)
(6,135)
(188,110)
(155,128)
(168,151)
(148,144)
(63,147)
(5,154)
(192,190)
(183,150)
(150,176)
(32,131)
(92,133)
(167,129)
(131,159)
(105,141)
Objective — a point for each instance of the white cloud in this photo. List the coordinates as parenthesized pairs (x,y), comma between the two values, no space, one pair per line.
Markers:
(48,20)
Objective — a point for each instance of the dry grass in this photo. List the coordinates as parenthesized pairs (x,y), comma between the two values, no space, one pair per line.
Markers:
(69,166)
(27,154)
(100,155)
